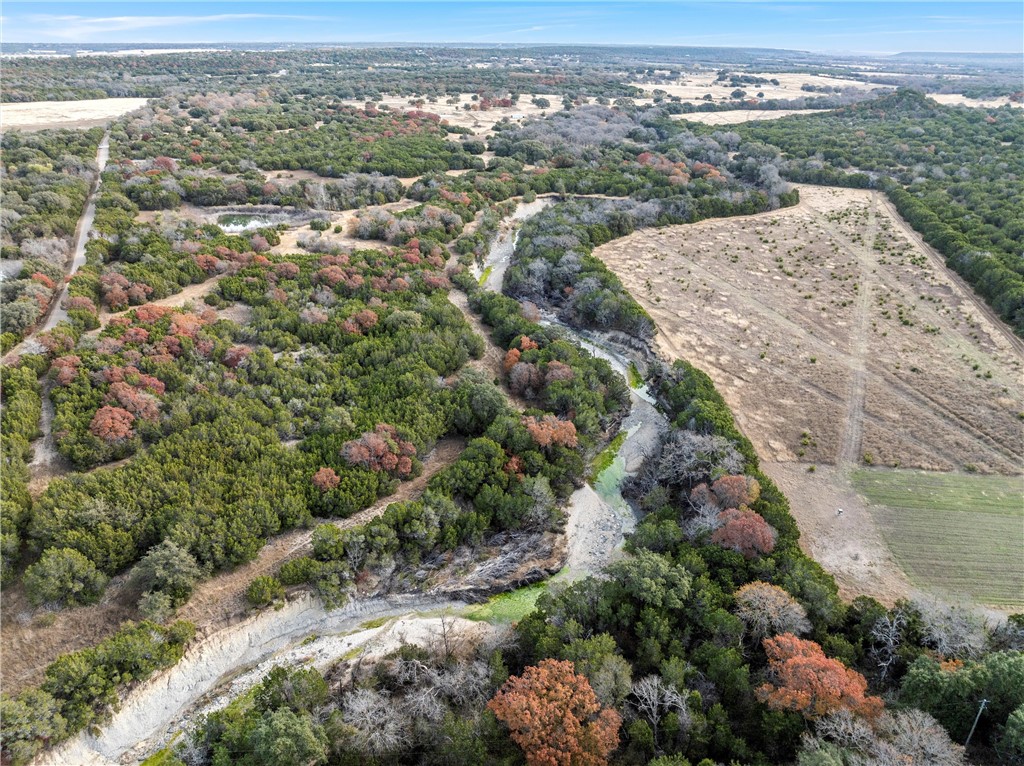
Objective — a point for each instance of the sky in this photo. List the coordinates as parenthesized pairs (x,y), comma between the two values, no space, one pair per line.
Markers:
(868,26)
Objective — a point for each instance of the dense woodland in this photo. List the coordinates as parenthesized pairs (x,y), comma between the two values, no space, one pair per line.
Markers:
(46,178)
(307,385)
(435,71)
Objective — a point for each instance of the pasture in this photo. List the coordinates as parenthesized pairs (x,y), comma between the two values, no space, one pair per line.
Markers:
(40,115)
(961,535)
(833,335)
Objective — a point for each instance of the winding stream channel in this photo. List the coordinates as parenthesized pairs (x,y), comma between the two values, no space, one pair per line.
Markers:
(212,670)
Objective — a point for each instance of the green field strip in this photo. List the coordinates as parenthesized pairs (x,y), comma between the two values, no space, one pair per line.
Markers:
(959,533)
(954,492)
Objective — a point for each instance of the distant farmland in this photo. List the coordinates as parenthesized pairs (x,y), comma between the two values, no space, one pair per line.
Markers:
(956,533)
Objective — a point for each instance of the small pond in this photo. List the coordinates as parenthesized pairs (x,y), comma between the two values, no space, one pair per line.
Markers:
(233,223)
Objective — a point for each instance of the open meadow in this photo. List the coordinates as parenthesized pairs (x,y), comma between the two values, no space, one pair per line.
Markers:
(41,115)
(953,533)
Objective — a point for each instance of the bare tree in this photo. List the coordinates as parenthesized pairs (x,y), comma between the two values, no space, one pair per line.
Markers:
(689,457)
(380,727)
(955,631)
(652,698)
(767,610)
(887,636)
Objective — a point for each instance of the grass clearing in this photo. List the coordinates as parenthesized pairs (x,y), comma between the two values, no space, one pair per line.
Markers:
(606,457)
(957,533)
(633,376)
(485,276)
(906,365)
(507,607)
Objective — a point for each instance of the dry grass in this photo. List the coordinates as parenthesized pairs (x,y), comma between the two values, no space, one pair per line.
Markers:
(40,115)
(736,116)
(481,123)
(692,87)
(833,337)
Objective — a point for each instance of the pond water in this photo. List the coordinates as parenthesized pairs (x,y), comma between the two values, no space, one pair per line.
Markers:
(235,223)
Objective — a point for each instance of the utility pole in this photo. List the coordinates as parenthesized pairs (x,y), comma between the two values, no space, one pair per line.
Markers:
(976,719)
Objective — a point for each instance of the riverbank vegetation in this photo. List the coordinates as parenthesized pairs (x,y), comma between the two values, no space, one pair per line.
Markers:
(306,386)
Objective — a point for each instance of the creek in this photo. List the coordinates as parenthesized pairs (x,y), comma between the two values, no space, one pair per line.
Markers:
(599,519)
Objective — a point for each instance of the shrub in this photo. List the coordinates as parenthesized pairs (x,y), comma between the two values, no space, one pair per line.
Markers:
(64,576)
(264,590)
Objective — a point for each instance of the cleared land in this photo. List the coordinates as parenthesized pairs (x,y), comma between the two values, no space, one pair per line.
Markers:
(736,116)
(481,123)
(692,87)
(954,533)
(834,337)
(839,340)
(40,115)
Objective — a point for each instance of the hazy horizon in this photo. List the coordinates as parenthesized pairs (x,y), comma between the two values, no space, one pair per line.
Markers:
(866,27)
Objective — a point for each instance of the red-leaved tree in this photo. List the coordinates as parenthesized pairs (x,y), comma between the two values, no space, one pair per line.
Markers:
(744,531)
(326,479)
(555,717)
(381,450)
(550,430)
(734,491)
(112,424)
(804,680)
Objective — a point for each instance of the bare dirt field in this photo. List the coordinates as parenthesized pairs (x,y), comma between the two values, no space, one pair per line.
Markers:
(833,336)
(40,115)
(850,545)
(692,87)
(481,123)
(735,116)
(838,339)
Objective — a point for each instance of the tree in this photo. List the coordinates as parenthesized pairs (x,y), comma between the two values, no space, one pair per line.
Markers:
(735,491)
(767,610)
(555,716)
(285,737)
(550,430)
(745,532)
(32,720)
(326,479)
(112,424)
(64,576)
(907,737)
(380,727)
(954,631)
(170,569)
(804,680)
(381,450)
(652,698)
(264,590)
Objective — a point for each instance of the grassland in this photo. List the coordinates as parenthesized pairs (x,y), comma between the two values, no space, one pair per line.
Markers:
(507,607)
(832,335)
(955,533)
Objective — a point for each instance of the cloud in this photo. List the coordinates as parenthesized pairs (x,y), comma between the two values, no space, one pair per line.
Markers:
(72,27)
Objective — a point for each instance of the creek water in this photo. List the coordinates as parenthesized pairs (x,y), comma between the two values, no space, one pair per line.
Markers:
(599,518)
(236,223)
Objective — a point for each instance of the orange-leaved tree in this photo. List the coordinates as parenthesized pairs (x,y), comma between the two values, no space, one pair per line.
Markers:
(744,531)
(804,680)
(555,717)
